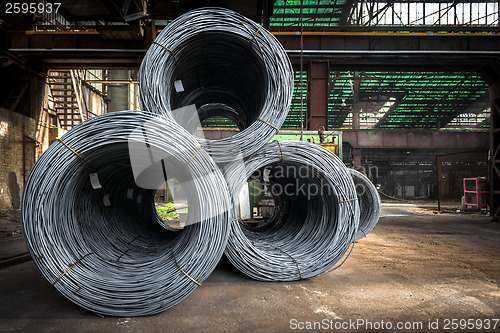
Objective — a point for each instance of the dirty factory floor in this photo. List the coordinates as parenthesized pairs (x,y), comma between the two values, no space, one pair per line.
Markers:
(415,268)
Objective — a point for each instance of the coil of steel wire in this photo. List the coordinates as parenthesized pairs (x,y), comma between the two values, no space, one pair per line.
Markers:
(315,221)
(215,56)
(93,231)
(369,203)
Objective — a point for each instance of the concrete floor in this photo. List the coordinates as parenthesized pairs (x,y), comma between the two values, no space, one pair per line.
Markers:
(415,266)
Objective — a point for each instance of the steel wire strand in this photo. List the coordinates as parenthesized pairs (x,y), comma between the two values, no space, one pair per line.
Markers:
(106,251)
(312,231)
(223,58)
(369,203)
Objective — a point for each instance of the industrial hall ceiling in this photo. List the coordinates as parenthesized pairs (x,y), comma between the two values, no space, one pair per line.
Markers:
(423,83)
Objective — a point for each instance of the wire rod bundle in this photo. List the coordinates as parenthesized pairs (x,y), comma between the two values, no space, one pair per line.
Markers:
(217,56)
(93,233)
(317,219)
(369,202)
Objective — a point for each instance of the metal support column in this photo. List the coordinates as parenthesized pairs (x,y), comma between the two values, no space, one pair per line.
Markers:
(495,151)
(355,102)
(318,96)
(356,161)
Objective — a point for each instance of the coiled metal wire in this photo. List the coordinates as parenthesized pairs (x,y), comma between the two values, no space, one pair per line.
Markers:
(215,56)
(103,248)
(369,202)
(316,219)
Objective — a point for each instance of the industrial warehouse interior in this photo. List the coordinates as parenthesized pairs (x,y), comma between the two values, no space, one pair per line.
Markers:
(250,166)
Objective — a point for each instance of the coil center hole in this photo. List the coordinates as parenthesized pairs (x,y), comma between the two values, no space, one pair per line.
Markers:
(171,204)
(221,75)
(256,204)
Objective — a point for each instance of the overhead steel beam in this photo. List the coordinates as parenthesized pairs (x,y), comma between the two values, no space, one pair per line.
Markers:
(316,46)
(340,59)
(397,52)
(87,58)
(427,30)
(365,52)
(413,139)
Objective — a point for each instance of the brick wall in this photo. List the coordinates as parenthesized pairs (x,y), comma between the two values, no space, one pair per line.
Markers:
(17,156)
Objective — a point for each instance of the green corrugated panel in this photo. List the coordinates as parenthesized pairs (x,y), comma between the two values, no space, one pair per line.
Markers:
(287,13)
(293,118)
(219,122)
(424,98)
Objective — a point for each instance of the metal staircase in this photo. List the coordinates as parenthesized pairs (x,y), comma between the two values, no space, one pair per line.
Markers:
(65,97)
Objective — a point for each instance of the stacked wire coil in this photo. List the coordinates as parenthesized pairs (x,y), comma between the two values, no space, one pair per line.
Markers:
(102,247)
(369,202)
(215,56)
(310,232)
(88,213)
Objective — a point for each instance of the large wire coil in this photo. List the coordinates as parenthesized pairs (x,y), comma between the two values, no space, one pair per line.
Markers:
(369,202)
(99,242)
(215,56)
(311,229)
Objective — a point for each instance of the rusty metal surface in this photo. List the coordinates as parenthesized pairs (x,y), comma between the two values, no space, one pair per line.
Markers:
(94,50)
(318,96)
(391,42)
(377,138)
(392,138)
